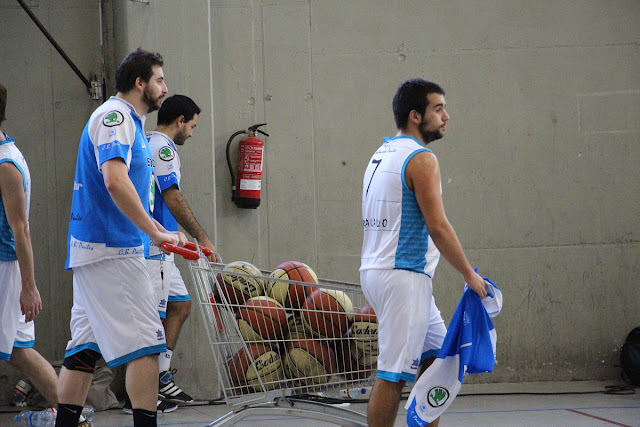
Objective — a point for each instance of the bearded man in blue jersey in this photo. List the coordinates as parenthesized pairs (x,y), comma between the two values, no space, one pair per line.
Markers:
(113,314)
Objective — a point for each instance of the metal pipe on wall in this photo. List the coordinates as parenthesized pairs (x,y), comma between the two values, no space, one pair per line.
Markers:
(56,45)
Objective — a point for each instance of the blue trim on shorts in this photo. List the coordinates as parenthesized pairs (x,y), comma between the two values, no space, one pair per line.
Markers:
(77,349)
(405,376)
(427,354)
(395,377)
(4,356)
(24,344)
(154,349)
(186,297)
(163,314)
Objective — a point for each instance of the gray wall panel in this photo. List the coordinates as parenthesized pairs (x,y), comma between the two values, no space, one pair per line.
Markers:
(539,164)
(291,152)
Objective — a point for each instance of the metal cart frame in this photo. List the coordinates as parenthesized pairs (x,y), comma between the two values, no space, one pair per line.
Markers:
(282,397)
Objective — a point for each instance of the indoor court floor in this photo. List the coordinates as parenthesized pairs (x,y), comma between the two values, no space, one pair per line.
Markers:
(526,404)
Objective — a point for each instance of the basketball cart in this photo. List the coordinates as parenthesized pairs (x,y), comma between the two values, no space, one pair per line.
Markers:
(269,365)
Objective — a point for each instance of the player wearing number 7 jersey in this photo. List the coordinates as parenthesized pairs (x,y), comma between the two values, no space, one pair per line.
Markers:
(405,231)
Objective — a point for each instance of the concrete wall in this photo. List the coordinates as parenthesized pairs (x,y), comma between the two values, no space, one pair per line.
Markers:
(539,164)
(48,106)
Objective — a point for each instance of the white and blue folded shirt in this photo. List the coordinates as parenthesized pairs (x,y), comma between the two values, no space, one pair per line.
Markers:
(469,348)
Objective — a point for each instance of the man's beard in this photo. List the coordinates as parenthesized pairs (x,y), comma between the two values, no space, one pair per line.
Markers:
(429,135)
(152,104)
(180,138)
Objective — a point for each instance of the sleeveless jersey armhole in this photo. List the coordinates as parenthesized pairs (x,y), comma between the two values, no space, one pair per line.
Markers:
(406,162)
(24,178)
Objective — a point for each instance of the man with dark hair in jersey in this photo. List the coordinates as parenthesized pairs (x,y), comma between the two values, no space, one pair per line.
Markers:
(177,119)
(405,231)
(113,314)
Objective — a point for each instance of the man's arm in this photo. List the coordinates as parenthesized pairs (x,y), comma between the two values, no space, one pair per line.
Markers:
(183,214)
(423,177)
(15,206)
(116,179)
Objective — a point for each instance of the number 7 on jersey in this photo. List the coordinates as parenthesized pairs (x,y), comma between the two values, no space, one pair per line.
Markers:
(377,162)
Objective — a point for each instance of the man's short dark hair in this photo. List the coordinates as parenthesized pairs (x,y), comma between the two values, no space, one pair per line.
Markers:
(412,95)
(3,102)
(138,63)
(176,106)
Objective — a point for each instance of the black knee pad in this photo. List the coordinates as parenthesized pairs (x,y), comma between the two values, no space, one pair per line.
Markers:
(83,361)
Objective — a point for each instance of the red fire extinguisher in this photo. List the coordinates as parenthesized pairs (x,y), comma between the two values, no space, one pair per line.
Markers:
(245,191)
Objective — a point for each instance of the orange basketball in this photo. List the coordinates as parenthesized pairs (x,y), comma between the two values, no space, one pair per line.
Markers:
(262,318)
(328,313)
(365,314)
(292,295)
(259,362)
(309,362)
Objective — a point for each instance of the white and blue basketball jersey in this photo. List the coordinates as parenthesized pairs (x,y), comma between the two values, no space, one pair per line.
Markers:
(97,228)
(10,153)
(395,233)
(168,173)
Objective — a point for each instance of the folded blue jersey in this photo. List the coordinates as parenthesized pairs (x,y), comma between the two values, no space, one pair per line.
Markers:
(469,348)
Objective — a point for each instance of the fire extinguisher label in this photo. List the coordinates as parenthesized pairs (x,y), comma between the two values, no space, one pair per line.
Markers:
(250,184)
(252,159)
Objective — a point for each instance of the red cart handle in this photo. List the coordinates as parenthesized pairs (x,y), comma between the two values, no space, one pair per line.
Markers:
(192,246)
(183,251)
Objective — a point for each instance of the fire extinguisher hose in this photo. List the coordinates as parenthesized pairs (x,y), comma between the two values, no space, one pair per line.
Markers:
(233,179)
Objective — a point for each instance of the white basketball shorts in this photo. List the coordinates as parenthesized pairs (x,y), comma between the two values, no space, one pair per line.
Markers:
(410,327)
(14,332)
(169,286)
(114,311)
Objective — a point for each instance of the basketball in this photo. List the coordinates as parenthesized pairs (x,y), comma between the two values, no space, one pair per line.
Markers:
(349,368)
(261,318)
(267,365)
(309,362)
(237,289)
(328,313)
(364,337)
(297,329)
(292,295)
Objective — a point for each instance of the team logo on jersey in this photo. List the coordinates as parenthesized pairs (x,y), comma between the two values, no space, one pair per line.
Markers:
(166,154)
(114,118)
(438,396)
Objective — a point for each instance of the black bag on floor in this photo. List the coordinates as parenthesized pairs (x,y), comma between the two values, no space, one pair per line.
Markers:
(630,358)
